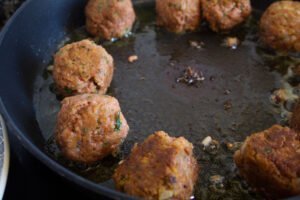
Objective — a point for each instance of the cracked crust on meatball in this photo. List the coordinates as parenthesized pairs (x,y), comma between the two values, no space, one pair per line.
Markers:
(90,127)
(270,162)
(162,167)
(224,15)
(178,15)
(82,67)
(280,26)
(109,19)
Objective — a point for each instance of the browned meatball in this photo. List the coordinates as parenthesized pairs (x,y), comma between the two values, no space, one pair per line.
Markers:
(162,167)
(270,162)
(280,26)
(82,67)
(90,127)
(109,18)
(178,15)
(295,119)
(223,15)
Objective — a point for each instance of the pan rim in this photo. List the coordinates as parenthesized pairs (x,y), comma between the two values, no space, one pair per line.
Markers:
(42,156)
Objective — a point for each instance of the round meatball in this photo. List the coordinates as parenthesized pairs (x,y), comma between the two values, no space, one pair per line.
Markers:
(162,167)
(82,67)
(295,119)
(109,19)
(178,15)
(280,26)
(270,162)
(90,127)
(223,15)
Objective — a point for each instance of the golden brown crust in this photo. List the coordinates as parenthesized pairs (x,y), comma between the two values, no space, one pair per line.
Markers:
(223,15)
(82,67)
(161,167)
(109,18)
(178,15)
(86,127)
(270,162)
(295,119)
(280,26)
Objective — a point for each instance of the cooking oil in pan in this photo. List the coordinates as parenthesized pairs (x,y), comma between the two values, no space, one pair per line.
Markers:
(230,104)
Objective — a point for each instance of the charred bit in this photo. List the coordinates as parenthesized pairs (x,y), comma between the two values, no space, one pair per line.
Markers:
(191,76)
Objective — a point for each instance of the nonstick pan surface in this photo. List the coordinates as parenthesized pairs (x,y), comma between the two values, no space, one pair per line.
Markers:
(231,103)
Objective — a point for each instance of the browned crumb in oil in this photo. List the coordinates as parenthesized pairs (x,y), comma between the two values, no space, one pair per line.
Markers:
(133,58)
(191,76)
(231,42)
(227,105)
(196,44)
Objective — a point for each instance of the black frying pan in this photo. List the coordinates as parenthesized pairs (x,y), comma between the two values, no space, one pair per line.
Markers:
(149,95)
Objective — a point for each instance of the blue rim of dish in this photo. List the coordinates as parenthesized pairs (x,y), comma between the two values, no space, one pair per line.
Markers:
(4,157)
(40,155)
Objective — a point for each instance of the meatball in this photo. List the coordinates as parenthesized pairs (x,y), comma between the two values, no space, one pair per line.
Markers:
(280,26)
(82,67)
(223,15)
(295,119)
(162,167)
(90,127)
(178,15)
(109,19)
(270,162)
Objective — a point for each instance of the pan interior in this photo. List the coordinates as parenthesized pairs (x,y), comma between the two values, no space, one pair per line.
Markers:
(231,103)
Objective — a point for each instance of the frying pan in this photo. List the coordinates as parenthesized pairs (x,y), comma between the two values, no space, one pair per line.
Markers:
(148,93)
